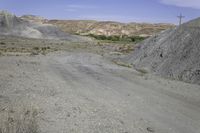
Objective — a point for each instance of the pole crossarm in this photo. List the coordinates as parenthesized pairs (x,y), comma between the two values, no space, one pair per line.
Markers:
(180,18)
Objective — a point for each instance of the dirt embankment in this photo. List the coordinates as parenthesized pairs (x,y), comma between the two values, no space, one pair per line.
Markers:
(173,54)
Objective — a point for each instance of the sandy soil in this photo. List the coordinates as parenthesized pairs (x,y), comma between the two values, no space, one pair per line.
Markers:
(82,92)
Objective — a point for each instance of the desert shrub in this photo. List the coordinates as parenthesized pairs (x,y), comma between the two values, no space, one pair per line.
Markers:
(137,38)
(101,37)
(115,38)
(141,70)
(122,64)
(44,48)
(98,37)
(36,48)
(76,33)
(33,53)
(2,43)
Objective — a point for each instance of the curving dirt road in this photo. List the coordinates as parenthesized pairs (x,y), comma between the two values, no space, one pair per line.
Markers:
(85,93)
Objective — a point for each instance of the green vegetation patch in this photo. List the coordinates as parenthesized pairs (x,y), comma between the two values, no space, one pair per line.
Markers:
(123,38)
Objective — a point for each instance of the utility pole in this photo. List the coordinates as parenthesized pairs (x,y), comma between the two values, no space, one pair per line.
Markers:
(180,19)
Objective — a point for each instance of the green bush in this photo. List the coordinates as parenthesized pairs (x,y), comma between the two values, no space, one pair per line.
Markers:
(113,38)
(137,38)
(2,43)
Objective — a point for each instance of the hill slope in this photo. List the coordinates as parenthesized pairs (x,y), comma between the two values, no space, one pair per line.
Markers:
(174,53)
(15,26)
(106,28)
(109,28)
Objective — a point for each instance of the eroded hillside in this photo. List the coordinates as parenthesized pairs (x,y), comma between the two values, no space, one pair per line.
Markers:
(107,28)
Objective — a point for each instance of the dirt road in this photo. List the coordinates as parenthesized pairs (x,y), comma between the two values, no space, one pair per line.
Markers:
(85,93)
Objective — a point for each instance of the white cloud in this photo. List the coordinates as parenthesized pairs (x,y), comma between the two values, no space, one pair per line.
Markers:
(183,3)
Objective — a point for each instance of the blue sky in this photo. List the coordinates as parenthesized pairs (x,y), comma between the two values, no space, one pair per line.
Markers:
(153,11)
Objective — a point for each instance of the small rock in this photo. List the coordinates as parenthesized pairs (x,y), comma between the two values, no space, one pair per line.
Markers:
(150,129)
(10,120)
(11,76)
(122,122)
(68,115)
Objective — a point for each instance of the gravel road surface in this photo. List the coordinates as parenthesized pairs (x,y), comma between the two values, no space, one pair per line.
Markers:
(85,93)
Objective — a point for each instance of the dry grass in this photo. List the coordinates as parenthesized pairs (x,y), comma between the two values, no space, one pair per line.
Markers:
(18,120)
(142,71)
(122,64)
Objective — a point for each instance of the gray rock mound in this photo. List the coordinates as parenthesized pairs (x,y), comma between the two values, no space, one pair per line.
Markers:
(174,53)
(12,25)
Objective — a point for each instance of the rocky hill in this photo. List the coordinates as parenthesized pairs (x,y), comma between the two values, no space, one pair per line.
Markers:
(174,53)
(106,28)
(109,28)
(15,26)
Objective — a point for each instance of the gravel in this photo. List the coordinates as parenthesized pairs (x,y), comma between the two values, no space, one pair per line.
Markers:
(173,53)
(80,92)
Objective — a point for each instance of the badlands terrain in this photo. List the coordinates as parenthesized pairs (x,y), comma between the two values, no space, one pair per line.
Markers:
(106,28)
(70,86)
